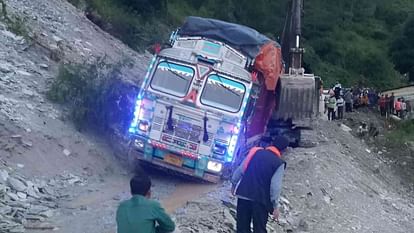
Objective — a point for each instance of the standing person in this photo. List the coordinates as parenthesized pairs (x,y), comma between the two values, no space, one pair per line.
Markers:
(257,184)
(340,104)
(409,108)
(337,89)
(365,100)
(387,104)
(140,214)
(403,108)
(382,104)
(397,107)
(331,106)
(326,101)
(348,101)
(392,103)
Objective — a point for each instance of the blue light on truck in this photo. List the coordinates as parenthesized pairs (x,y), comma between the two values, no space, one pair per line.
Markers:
(233,143)
(138,103)
(134,123)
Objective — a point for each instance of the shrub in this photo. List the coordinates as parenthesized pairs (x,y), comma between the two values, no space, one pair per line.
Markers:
(93,93)
(404,132)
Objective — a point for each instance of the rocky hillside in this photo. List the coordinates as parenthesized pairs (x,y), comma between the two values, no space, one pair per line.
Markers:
(40,150)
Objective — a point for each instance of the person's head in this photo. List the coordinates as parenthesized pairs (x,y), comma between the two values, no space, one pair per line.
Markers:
(280,142)
(392,94)
(140,185)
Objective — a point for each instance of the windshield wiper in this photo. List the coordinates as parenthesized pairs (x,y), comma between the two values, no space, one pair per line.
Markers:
(175,73)
(227,88)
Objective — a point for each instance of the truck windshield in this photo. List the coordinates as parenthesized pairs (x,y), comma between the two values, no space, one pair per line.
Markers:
(223,93)
(171,78)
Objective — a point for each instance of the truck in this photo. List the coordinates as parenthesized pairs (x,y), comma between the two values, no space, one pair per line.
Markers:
(211,95)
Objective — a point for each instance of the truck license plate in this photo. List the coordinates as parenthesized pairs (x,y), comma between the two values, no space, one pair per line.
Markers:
(174,160)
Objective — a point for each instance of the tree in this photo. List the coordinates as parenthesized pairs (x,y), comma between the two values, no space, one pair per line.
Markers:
(402,50)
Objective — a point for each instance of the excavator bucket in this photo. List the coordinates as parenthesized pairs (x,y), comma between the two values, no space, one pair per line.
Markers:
(297,97)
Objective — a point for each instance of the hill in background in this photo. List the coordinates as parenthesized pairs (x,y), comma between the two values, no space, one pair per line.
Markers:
(345,40)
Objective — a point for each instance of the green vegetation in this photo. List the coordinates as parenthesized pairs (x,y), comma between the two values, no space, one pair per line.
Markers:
(403,50)
(14,23)
(87,89)
(346,40)
(404,132)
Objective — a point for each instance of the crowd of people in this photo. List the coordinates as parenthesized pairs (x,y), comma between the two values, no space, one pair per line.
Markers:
(340,100)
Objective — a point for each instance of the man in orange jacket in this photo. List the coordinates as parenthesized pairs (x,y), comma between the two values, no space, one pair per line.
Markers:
(257,184)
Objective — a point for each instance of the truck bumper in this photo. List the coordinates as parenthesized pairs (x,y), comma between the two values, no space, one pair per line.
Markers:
(155,156)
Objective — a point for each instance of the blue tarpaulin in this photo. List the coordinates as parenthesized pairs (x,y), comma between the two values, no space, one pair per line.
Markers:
(240,37)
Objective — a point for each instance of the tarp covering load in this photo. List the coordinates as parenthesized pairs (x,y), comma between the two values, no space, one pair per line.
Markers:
(240,37)
(247,40)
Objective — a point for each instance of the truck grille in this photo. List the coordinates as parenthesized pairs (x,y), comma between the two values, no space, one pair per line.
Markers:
(185,130)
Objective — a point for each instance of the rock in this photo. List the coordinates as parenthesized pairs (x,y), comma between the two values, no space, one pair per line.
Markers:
(66,152)
(22,195)
(13,196)
(24,73)
(345,128)
(5,68)
(284,200)
(44,66)
(4,175)
(29,106)
(17,184)
(27,143)
(57,39)
(282,221)
(11,35)
(28,92)
(19,165)
(47,213)
(368,150)
(5,210)
(3,99)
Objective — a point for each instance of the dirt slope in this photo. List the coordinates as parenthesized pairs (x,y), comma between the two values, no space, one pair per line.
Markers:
(36,137)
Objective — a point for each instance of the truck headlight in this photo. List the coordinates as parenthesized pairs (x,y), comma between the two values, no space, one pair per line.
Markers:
(214,166)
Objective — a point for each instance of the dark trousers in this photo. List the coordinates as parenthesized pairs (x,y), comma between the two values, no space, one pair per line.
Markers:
(383,111)
(340,112)
(248,211)
(348,107)
(331,114)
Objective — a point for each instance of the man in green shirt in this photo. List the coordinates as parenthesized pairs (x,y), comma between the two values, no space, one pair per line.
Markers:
(140,214)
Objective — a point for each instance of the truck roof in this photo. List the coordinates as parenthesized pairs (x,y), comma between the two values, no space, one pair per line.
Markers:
(243,38)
